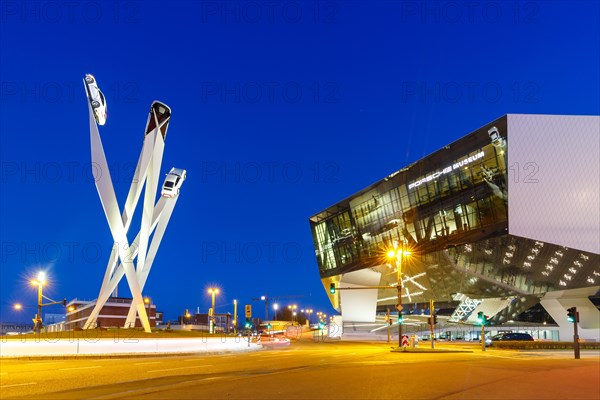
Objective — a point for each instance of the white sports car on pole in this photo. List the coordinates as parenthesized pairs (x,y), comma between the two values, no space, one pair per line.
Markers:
(173,182)
(96,98)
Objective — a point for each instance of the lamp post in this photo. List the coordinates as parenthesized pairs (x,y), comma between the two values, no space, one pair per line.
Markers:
(235,322)
(293,308)
(40,281)
(275,308)
(148,303)
(213,292)
(398,254)
(266,300)
(186,316)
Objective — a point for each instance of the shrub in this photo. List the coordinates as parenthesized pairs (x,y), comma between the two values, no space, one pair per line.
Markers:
(545,345)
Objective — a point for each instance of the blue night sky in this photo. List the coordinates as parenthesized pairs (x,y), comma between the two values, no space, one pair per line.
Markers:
(279,110)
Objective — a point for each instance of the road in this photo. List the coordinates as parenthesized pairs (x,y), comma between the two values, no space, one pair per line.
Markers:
(305,369)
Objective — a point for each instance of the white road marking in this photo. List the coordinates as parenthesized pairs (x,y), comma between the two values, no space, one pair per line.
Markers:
(175,369)
(146,363)
(72,369)
(18,384)
(46,363)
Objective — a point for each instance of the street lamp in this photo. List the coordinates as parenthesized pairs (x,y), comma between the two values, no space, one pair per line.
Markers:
(398,254)
(40,281)
(235,319)
(148,302)
(266,300)
(18,306)
(186,316)
(293,308)
(275,308)
(213,292)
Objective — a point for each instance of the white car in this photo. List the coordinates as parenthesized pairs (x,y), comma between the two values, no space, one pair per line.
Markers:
(96,98)
(495,137)
(173,182)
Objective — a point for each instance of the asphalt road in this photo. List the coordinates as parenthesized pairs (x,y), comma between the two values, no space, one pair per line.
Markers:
(305,369)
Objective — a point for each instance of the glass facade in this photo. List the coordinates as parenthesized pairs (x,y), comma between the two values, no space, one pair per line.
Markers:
(456,195)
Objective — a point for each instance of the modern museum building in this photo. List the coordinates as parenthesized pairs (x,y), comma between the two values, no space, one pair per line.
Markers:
(499,221)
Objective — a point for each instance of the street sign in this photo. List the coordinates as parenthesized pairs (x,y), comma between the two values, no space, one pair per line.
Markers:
(399,307)
(248,309)
(405,342)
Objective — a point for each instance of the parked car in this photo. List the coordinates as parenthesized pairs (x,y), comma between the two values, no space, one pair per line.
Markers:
(173,182)
(509,336)
(96,98)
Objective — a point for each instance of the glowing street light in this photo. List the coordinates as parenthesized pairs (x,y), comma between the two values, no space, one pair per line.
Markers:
(293,308)
(398,255)
(213,292)
(40,281)
(275,308)
(235,318)
(18,306)
(148,303)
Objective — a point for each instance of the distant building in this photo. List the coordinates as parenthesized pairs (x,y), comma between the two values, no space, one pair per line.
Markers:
(7,328)
(200,322)
(113,314)
(159,317)
(50,319)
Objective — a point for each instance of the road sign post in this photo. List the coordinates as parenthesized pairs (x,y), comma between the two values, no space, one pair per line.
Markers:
(573,317)
(482,337)
(431,321)
(404,342)
(388,320)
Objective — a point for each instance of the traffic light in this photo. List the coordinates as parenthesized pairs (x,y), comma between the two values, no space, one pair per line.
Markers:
(572,314)
(400,319)
(64,302)
(332,288)
(482,319)
(321,325)
(269,326)
(434,319)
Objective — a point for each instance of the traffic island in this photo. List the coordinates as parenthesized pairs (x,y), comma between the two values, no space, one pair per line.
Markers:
(128,346)
(427,350)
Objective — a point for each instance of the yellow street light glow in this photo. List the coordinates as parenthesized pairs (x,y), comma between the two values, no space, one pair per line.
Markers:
(71,308)
(17,306)
(213,290)
(397,253)
(146,300)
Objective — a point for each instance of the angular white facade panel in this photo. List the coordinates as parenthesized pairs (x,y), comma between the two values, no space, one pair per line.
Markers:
(554,179)
(359,305)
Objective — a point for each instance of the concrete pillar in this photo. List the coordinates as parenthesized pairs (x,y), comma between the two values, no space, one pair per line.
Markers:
(556,304)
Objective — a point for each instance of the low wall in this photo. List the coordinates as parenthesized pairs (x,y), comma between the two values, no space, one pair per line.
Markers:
(74,347)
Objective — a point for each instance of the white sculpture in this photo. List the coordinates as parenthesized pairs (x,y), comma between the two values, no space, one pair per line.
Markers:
(155,217)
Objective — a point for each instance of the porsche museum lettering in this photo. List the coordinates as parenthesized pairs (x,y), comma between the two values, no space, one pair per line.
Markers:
(449,168)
